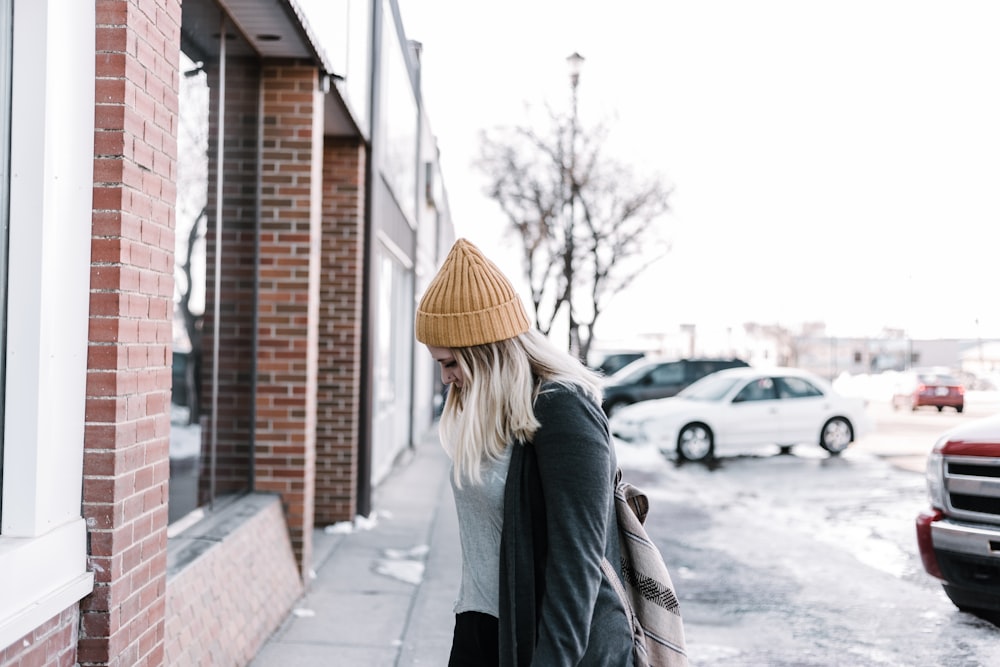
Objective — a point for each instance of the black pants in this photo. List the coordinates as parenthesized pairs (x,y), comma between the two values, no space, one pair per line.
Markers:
(476,642)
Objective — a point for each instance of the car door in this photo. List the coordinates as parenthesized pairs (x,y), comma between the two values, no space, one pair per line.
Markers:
(753,415)
(804,408)
(663,381)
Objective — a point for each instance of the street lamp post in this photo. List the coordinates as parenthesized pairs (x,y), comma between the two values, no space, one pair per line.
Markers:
(575,62)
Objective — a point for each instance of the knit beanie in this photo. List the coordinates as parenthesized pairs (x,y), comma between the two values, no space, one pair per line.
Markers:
(469,302)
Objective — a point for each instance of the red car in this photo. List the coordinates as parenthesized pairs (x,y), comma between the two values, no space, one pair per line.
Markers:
(933,388)
(959,535)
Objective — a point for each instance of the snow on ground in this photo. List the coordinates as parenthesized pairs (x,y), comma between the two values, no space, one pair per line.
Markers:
(639,456)
(880,387)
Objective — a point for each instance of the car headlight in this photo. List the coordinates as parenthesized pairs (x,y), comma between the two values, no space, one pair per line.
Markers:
(629,430)
(935,479)
(649,430)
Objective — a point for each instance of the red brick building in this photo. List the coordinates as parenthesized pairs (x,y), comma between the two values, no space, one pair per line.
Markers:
(217,216)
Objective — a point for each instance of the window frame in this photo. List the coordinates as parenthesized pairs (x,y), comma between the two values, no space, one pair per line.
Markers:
(43,536)
(745,395)
(787,389)
(667,374)
(6,46)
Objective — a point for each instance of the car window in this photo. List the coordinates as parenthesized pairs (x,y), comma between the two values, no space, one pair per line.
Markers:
(668,373)
(760,389)
(938,379)
(793,387)
(631,373)
(699,369)
(709,388)
(615,362)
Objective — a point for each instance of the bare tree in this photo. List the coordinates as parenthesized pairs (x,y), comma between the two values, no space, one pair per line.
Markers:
(587,225)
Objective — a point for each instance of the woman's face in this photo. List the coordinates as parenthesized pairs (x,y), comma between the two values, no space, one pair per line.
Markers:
(450,372)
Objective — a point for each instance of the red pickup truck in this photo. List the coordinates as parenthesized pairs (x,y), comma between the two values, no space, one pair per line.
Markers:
(959,535)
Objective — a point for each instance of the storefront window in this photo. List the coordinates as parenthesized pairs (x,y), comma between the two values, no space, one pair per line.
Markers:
(212,407)
(189,290)
(393,379)
(47,156)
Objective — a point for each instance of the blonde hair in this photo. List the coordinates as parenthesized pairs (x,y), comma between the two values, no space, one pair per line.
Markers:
(495,405)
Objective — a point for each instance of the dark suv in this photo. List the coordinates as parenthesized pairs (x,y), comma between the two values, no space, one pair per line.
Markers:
(658,378)
(616,361)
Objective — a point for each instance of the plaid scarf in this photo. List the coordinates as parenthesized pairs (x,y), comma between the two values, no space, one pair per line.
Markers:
(645,587)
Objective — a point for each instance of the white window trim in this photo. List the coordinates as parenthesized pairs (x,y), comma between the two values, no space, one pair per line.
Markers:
(43,537)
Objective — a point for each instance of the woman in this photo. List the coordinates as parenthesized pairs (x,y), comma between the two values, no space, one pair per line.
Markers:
(533,474)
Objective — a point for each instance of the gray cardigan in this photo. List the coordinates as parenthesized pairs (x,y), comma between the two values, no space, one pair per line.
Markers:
(556,607)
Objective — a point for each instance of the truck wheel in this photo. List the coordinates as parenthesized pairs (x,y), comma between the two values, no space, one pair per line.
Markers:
(695,443)
(836,435)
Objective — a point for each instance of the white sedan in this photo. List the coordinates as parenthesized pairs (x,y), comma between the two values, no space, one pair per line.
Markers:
(739,408)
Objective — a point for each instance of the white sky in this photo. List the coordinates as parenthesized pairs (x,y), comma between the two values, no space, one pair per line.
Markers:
(833,161)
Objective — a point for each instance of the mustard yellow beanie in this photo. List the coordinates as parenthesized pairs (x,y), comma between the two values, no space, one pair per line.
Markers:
(469,302)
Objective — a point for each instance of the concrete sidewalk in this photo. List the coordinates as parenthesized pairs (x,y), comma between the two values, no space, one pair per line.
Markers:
(382,593)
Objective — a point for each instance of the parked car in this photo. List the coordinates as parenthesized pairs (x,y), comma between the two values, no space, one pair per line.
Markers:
(615,361)
(931,387)
(735,409)
(651,378)
(959,535)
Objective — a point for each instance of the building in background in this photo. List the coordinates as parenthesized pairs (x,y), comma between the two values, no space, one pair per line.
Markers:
(811,347)
(218,216)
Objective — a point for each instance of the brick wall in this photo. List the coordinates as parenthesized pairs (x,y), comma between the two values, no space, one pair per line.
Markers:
(52,643)
(223,606)
(338,398)
(126,457)
(288,293)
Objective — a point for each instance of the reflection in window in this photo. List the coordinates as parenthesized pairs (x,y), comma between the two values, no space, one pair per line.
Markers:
(761,389)
(189,289)
(218,164)
(398,148)
(672,373)
(792,387)
(394,345)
